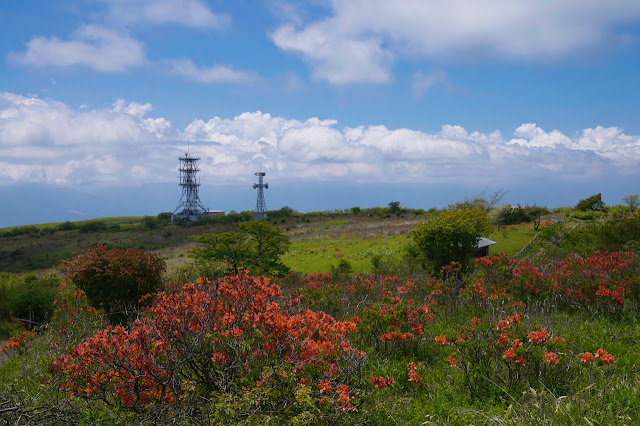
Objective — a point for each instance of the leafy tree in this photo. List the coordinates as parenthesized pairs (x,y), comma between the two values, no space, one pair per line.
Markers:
(452,236)
(164,218)
(395,207)
(229,247)
(67,226)
(115,279)
(257,247)
(356,210)
(593,203)
(632,202)
(481,199)
(149,222)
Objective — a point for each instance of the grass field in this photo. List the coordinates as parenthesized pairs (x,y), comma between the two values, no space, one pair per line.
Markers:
(317,245)
(481,387)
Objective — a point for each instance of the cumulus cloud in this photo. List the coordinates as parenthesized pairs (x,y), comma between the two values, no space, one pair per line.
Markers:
(212,74)
(93,46)
(48,141)
(359,40)
(191,13)
(336,59)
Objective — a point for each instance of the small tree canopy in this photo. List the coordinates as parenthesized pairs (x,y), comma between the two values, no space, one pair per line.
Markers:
(256,247)
(632,202)
(452,236)
(590,204)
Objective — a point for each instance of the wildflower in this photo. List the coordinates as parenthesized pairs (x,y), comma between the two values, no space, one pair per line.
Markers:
(587,358)
(509,354)
(538,336)
(551,358)
(452,361)
(442,339)
(414,378)
(503,340)
(325,386)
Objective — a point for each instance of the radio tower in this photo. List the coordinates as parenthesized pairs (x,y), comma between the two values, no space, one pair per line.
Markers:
(190,203)
(261,206)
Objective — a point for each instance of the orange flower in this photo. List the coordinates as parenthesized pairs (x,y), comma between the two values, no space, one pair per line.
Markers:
(452,361)
(442,339)
(538,336)
(325,386)
(414,378)
(607,359)
(551,358)
(509,354)
(587,358)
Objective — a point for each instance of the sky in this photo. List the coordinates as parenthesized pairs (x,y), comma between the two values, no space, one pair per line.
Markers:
(341,103)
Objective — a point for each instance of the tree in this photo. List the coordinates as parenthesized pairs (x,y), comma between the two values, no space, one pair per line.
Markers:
(115,279)
(481,199)
(452,236)
(395,207)
(266,245)
(228,247)
(592,203)
(256,247)
(632,202)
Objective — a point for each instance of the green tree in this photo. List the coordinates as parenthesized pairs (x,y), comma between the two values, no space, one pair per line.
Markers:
(632,202)
(395,207)
(593,203)
(231,248)
(452,236)
(256,247)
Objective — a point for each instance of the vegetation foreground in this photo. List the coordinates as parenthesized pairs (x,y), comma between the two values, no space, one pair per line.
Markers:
(551,339)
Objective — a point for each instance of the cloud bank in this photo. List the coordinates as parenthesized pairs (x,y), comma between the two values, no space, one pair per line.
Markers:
(46,141)
(360,40)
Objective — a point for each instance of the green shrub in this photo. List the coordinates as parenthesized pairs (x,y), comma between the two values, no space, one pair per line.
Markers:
(94,226)
(34,299)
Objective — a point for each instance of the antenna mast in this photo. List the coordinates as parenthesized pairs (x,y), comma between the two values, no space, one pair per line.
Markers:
(190,203)
(261,205)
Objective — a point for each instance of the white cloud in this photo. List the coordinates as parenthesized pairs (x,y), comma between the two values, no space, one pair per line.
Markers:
(424,82)
(95,47)
(336,59)
(48,141)
(357,43)
(191,13)
(212,74)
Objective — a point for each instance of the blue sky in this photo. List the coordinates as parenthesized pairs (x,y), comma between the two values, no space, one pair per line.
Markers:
(343,103)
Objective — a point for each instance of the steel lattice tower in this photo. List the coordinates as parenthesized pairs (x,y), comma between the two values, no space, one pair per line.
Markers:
(261,206)
(190,203)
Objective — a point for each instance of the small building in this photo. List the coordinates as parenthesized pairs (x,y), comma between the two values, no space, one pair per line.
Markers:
(483,247)
(213,213)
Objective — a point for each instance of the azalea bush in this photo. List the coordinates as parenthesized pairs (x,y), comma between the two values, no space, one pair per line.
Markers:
(219,340)
(115,279)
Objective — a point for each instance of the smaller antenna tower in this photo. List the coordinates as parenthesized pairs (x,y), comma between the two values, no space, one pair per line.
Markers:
(190,203)
(261,206)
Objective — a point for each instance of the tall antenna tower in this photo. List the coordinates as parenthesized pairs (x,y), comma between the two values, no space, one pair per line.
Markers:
(261,206)
(190,203)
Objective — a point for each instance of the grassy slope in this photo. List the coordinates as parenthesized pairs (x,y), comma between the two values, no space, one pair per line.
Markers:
(316,246)
(442,398)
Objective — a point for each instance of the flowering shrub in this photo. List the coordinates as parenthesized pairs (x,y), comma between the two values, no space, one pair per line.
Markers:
(500,354)
(599,282)
(225,337)
(115,279)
